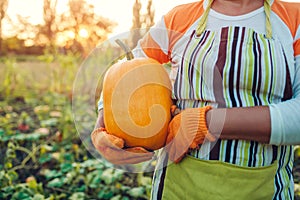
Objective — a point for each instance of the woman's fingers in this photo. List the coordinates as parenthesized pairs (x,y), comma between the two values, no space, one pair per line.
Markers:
(112,149)
(126,156)
(136,155)
(102,138)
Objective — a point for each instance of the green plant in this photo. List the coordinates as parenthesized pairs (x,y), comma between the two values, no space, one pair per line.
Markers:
(49,161)
(10,77)
(62,70)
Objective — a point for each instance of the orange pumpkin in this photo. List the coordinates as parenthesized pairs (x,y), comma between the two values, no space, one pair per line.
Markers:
(137,101)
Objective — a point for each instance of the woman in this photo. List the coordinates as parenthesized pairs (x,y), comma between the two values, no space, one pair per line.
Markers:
(236,78)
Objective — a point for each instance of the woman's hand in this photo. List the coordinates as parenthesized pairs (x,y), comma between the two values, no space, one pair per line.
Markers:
(112,149)
(187,130)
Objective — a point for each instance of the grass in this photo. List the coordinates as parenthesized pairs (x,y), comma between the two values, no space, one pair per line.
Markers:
(35,75)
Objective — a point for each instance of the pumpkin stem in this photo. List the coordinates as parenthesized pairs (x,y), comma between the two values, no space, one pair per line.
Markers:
(126,48)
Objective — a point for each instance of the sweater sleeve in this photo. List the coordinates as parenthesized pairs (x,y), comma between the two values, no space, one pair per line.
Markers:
(285,116)
(155,44)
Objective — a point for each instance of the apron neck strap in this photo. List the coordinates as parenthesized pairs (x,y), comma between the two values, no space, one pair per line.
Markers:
(203,21)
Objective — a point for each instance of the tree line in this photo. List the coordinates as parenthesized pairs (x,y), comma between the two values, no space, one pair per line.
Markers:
(79,29)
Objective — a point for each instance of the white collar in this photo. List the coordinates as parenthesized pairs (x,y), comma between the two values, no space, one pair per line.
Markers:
(205,3)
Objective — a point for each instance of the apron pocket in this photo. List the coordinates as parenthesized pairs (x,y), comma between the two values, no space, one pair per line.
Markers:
(201,179)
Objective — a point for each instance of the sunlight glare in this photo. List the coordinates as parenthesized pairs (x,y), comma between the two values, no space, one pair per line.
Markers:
(83,33)
(70,34)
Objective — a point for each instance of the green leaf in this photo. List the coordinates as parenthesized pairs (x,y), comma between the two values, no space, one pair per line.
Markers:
(136,192)
(21,195)
(50,174)
(56,183)
(77,196)
(38,197)
(2,132)
(45,158)
(105,194)
(68,156)
(110,175)
(125,188)
(12,175)
(145,180)
(118,197)
(107,176)
(9,190)
(66,167)
(94,179)
(27,137)
(5,138)
(92,163)
(49,122)
(22,192)
(81,188)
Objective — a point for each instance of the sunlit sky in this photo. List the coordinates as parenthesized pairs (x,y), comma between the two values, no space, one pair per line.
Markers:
(119,11)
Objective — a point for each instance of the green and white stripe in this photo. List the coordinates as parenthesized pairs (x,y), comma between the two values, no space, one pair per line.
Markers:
(253,72)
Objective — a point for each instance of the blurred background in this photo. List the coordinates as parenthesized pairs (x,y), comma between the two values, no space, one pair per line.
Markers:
(43,44)
(30,26)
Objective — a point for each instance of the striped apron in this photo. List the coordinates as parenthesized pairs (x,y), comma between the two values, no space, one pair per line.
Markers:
(233,67)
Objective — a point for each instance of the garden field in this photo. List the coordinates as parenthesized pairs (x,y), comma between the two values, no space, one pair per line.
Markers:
(42,155)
